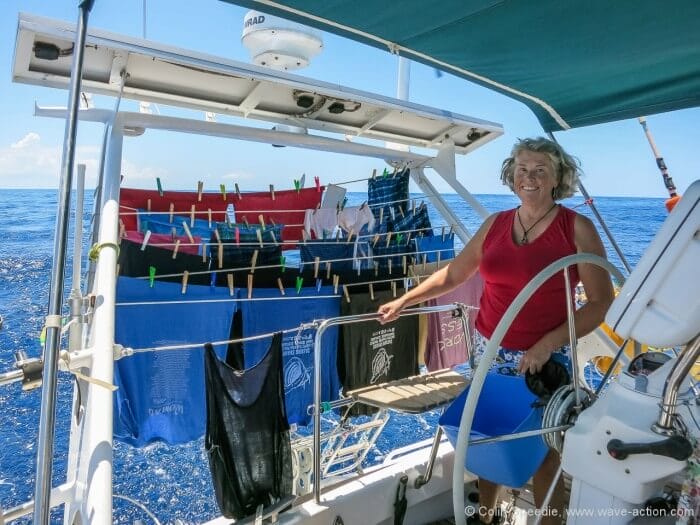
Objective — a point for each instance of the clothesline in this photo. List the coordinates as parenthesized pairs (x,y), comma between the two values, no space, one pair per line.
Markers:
(252,269)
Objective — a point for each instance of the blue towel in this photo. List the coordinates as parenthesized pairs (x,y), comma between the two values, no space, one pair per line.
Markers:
(161,394)
(281,313)
(388,193)
(354,253)
(160,223)
(435,244)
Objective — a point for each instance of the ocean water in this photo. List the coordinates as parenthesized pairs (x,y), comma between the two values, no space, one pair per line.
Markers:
(173,481)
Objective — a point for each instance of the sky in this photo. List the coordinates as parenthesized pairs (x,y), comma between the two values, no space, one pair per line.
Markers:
(616,157)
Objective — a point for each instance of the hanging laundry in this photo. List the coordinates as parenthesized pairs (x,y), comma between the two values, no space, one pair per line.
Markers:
(357,219)
(446,345)
(297,348)
(388,193)
(242,256)
(167,242)
(161,394)
(247,438)
(398,249)
(333,197)
(344,256)
(431,246)
(131,200)
(418,223)
(248,233)
(290,203)
(160,224)
(321,223)
(370,353)
(134,262)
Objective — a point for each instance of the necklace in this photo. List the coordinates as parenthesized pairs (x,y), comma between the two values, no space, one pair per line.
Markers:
(528,230)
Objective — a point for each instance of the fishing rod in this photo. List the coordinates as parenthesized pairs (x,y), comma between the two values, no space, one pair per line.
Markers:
(673,196)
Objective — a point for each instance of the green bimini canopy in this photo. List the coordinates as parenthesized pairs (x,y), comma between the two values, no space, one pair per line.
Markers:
(574,63)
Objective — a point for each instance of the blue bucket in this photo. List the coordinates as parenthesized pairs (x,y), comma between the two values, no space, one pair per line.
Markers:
(504,407)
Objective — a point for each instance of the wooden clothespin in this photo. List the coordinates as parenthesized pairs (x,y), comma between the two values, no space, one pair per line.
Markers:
(318,207)
(229,280)
(439,253)
(443,234)
(403,264)
(160,186)
(337,235)
(371,292)
(393,288)
(245,221)
(192,214)
(299,282)
(381,215)
(250,286)
(272,191)
(151,276)
(177,247)
(346,293)
(122,229)
(146,238)
(280,285)
(408,238)
(209,216)
(451,230)
(148,205)
(222,189)
(336,281)
(238,192)
(376,268)
(317,261)
(328,270)
(259,235)
(220,255)
(172,210)
(262,221)
(352,232)
(304,236)
(374,174)
(413,206)
(425,261)
(388,263)
(253,261)
(204,251)
(200,188)
(187,232)
(374,240)
(237,235)
(401,210)
(272,221)
(227,218)
(185,277)
(274,239)
(388,238)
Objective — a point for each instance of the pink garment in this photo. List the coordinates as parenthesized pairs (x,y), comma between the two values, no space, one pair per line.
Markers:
(353,218)
(446,345)
(167,242)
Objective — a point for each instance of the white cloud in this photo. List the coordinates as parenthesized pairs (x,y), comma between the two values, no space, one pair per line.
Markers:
(26,141)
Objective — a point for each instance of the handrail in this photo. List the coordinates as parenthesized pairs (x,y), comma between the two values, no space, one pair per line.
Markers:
(333,321)
(487,358)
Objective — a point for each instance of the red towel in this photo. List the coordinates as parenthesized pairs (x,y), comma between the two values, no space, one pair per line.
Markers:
(131,199)
(250,205)
(167,242)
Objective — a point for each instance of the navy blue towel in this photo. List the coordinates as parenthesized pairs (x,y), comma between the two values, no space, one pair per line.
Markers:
(388,193)
(160,223)
(280,313)
(161,395)
(433,245)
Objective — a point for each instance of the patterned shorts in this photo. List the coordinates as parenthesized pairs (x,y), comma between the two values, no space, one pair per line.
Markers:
(506,356)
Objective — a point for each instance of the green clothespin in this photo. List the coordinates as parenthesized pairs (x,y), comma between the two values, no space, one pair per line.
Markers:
(399,238)
(345,201)
(385,174)
(160,187)
(283,259)
(297,185)
(42,337)
(151,276)
(222,187)
(299,283)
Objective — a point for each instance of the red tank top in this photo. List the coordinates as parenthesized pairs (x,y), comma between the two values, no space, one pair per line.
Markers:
(506,268)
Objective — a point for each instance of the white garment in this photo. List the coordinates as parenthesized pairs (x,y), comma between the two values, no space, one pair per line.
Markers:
(321,219)
(353,218)
(333,196)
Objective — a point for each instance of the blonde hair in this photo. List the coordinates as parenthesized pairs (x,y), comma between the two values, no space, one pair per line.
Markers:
(566,168)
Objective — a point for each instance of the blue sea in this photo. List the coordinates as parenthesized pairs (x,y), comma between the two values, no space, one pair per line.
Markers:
(173,481)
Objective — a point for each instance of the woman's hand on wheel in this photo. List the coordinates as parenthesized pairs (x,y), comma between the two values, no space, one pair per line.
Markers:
(535,358)
(390,311)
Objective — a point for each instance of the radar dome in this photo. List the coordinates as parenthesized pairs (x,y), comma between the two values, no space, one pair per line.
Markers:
(278,43)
